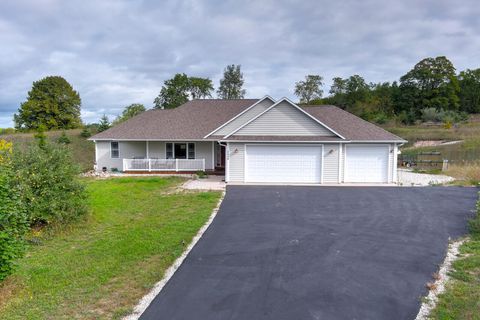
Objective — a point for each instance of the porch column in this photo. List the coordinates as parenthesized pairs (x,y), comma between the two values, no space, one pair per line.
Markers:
(147,146)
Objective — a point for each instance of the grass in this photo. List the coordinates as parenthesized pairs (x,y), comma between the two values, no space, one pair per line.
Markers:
(82,149)
(461,300)
(99,267)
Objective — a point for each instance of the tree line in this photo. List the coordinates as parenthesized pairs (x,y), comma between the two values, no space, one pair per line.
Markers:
(431,91)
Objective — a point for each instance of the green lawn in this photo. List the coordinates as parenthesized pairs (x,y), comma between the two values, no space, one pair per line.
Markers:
(100,267)
(461,299)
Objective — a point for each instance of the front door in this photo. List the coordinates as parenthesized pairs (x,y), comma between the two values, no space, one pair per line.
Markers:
(220,150)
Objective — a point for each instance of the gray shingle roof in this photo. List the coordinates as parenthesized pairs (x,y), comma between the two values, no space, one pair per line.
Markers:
(195,119)
(348,125)
(191,121)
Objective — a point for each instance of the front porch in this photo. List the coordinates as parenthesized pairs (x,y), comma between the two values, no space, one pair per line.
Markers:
(162,157)
(163,165)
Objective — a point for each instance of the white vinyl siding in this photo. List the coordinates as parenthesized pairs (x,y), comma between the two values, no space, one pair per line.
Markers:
(246,116)
(331,156)
(284,119)
(138,149)
(282,163)
(236,162)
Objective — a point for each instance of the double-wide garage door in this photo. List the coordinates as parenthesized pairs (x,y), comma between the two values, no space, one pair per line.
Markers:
(283,163)
(366,163)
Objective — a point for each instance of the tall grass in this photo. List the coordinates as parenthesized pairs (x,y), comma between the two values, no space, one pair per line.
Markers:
(469,172)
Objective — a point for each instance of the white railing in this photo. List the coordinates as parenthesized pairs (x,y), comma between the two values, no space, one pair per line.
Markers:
(164,165)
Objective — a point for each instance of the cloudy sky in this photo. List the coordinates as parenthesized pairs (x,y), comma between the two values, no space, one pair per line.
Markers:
(120,52)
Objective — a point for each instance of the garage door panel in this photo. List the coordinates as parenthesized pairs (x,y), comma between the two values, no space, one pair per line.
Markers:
(366,164)
(283,163)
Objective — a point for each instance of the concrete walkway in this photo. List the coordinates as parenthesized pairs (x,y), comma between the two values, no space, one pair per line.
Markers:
(210,183)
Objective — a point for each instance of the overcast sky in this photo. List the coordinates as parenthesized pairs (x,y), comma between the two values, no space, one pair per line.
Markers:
(115,53)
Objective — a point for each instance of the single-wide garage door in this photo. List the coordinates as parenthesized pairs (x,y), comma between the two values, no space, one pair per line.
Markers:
(366,163)
(283,163)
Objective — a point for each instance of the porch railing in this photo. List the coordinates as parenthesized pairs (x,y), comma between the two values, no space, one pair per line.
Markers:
(176,165)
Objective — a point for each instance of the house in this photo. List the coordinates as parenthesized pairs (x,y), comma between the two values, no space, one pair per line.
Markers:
(252,141)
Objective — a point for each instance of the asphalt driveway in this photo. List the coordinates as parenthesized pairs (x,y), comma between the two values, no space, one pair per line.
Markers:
(317,253)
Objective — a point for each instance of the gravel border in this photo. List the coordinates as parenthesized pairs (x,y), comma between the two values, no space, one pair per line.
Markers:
(409,178)
(438,287)
(157,288)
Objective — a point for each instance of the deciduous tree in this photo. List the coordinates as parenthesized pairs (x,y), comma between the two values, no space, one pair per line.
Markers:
(129,112)
(309,89)
(231,85)
(53,103)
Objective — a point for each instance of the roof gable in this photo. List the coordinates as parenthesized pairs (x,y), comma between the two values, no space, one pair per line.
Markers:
(284,118)
(248,114)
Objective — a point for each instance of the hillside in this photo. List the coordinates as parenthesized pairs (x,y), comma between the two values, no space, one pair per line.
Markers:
(82,149)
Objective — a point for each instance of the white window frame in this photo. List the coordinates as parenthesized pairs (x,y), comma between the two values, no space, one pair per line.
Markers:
(187,149)
(118,149)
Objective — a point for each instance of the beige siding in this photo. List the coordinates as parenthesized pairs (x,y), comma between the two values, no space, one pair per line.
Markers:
(138,149)
(284,119)
(330,163)
(236,162)
(243,118)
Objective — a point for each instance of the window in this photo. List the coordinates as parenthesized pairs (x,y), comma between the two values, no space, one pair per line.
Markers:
(169,151)
(191,151)
(114,150)
(180,150)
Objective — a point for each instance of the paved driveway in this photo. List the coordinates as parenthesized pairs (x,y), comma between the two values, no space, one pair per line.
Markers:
(316,253)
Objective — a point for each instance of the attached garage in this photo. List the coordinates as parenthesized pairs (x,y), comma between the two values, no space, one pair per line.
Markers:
(283,163)
(367,163)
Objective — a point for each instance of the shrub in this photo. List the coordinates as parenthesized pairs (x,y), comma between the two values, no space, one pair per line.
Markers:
(64,139)
(13,220)
(49,185)
(431,114)
(85,133)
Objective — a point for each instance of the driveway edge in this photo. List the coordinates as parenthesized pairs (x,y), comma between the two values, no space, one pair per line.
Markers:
(157,288)
(438,287)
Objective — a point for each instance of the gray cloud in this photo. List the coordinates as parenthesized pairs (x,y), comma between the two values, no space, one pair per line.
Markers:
(120,52)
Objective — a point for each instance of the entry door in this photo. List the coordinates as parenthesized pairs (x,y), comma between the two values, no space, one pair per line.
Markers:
(366,163)
(283,163)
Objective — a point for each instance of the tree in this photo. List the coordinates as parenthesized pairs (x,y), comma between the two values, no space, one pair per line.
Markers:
(180,89)
(51,102)
(129,112)
(431,83)
(200,88)
(173,93)
(469,82)
(104,124)
(310,89)
(232,83)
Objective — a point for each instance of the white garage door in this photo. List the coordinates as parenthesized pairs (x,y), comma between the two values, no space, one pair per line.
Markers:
(283,163)
(366,163)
